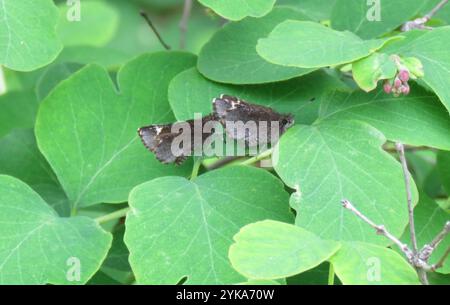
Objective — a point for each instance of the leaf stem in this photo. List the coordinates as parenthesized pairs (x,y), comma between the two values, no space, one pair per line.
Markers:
(412,229)
(419,23)
(112,216)
(259,157)
(73,211)
(331,275)
(184,22)
(149,22)
(196,168)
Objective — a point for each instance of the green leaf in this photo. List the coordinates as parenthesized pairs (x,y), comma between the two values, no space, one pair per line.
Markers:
(359,16)
(316,276)
(427,46)
(317,10)
(52,76)
(308,44)
(230,56)
(260,282)
(190,92)
(336,160)
(417,119)
(20,158)
(28,37)
(368,71)
(189,225)
(18,110)
(443,166)
(429,220)
(38,247)
(238,9)
(97,25)
(358,263)
(272,250)
(87,131)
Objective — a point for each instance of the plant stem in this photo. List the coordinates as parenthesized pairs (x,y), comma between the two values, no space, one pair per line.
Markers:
(441,261)
(412,229)
(222,162)
(112,216)
(436,9)
(196,168)
(184,22)
(380,229)
(419,23)
(259,157)
(149,22)
(331,275)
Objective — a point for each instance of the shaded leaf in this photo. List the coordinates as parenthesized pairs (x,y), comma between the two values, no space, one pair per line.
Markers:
(358,263)
(368,71)
(238,9)
(230,56)
(317,10)
(272,250)
(417,119)
(190,92)
(18,110)
(335,160)
(359,16)
(428,46)
(38,247)
(308,44)
(28,37)
(429,220)
(87,131)
(20,158)
(189,225)
(97,25)
(443,167)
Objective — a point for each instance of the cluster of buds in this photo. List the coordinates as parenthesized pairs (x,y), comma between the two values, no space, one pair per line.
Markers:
(407,68)
(399,85)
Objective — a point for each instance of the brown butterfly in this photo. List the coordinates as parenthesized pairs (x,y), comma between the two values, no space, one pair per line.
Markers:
(230,109)
(159,139)
(233,113)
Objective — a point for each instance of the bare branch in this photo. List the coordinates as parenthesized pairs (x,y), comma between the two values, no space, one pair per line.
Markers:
(149,22)
(428,249)
(184,22)
(380,229)
(441,261)
(419,23)
(401,151)
(441,235)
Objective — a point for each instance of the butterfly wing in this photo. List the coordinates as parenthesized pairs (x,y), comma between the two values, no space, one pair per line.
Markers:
(249,122)
(150,135)
(159,139)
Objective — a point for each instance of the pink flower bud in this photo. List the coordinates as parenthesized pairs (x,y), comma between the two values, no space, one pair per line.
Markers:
(387,87)
(405,89)
(397,83)
(404,75)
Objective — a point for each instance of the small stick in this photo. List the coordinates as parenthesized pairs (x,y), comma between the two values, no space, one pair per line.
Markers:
(149,22)
(440,263)
(428,249)
(184,22)
(419,23)
(381,230)
(412,230)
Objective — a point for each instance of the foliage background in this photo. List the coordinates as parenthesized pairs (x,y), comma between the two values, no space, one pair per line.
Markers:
(72,166)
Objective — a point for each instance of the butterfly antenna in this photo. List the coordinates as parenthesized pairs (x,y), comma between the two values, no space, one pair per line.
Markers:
(149,22)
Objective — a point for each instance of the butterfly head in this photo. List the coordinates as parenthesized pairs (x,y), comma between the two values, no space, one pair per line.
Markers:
(286,121)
